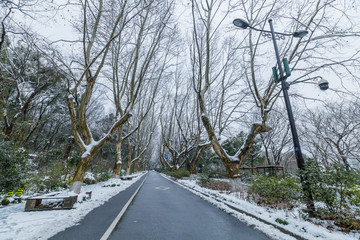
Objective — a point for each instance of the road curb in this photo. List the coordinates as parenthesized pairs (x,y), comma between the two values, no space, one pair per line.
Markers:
(119,216)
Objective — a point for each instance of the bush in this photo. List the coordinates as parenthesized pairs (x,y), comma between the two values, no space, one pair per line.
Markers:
(48,180)
(347,224)
(41,183)
(275,191)
(179,173)
(283,222)
(337,191)
(335,186)
(13,165)
(217,174)
(5,202)
(103,176)
(89,178)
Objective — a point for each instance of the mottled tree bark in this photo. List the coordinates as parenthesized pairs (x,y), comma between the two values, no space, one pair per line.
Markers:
(118,158)
(80,173)
(129,162)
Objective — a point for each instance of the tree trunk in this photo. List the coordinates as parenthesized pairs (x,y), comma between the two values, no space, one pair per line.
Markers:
(118,159)
(267,155)
(66,157)
(231,167)
(343,158)
(256,129)
(129,162)
(196,158)
(136,166)
(192,167)
(80,173)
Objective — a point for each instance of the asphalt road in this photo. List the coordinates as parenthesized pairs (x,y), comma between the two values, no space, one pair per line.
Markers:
(96,222)
(164,210)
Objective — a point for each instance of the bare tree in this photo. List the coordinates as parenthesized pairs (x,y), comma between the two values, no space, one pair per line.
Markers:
(7,10)
(332,133)
(141,141)
(96,46)
(176,120)
(305,56)
(276,142)
(212,71)
(140,61)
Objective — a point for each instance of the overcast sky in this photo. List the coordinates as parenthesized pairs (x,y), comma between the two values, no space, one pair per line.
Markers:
(57,25)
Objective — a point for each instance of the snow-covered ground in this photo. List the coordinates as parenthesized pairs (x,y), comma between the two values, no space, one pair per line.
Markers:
(296,223)
(17,224)
(20,225)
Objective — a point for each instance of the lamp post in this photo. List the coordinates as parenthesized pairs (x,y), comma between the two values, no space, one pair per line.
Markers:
(299,158)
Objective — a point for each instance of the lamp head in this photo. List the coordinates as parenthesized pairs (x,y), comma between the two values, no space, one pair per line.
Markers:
(323,84)
(300,34)
(241,23)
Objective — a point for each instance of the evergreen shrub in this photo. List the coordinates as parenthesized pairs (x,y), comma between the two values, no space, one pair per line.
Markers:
(179,173)
(13,166)
(46,180)
(89,178)
(335,187)
(5,202)
(103,176)
(275,192)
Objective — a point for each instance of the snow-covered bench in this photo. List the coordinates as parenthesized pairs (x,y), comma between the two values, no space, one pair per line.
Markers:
(42,203)
(126,177)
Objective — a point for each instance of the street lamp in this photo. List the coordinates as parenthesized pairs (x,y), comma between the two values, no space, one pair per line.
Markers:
(244,25)
(322,83)
(299,158)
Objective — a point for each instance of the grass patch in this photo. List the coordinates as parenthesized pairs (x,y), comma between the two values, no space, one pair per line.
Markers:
(214,184)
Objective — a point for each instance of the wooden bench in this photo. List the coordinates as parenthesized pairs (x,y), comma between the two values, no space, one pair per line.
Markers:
(126,178)
(41,203)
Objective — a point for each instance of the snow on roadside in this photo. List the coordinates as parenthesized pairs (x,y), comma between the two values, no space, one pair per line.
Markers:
(20,225)
(297,224)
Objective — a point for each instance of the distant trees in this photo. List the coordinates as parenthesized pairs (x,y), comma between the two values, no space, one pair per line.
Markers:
(277,142)
(139,62)
(177,121)
(332,133)
(31,88)
(182,135)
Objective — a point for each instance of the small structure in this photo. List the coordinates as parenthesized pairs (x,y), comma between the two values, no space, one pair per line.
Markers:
(271,170)
(251,169)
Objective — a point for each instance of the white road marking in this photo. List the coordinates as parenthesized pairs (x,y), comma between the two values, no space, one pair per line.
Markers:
(117,219)
(162,188)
